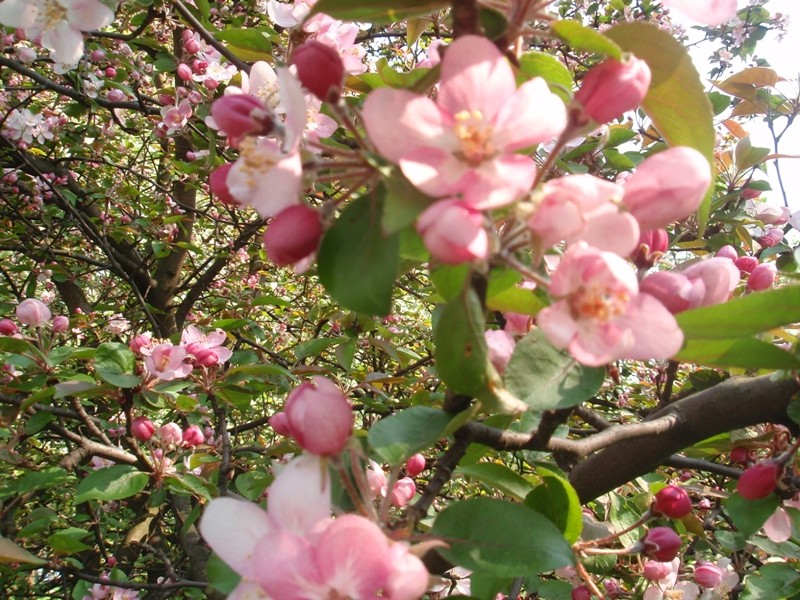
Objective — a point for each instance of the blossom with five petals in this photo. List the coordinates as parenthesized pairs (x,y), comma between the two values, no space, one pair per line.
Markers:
(466,142)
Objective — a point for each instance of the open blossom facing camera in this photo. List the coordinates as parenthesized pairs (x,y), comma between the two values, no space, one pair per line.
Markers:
(599,314)
(58,23)
(295,550)
(466,142)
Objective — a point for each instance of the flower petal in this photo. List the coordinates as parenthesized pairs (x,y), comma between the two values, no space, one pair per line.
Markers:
(304,477)
(533,114)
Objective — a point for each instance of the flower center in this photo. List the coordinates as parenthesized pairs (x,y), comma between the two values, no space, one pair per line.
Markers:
(474,137)
(52,14)
(599,303)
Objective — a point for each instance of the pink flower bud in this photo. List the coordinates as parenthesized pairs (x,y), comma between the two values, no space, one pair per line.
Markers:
(191,46)
(171,434)
(613,589)
(501,346)
(8,327)
(762,277)
(319,416)
(667,187)
(771,238)
(33,312)
(652,246)
(662,544)
(142,429)
(581,593)
(673,502)
(728,252)
(769,214)
(184,72)
(280,424)
(741,455)
(403,491)
(453,232)
(116,95)
(759,481)
(111,72)
(239,115)
(143,340)
(415,465)
(193,436)
(746,264)
(166,100)
(655,570)
(613,87)
(673,290)
(199,66)
(60,324)
(97,55)
(293,234)
(707,575)
(218,184)
(211,84)
(716,276)
(320,69)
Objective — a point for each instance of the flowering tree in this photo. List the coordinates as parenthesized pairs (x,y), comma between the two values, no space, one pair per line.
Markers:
(403,299)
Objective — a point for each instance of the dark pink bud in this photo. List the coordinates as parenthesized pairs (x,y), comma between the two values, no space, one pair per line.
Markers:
(193,436)
(199,66)
(280,424)
(8,327)
(166,100)
(762,277)
(741,455)
(773,237)
(673,502)
(728,252)
(184,72)
(750,193)
(613,87)
(206,357)
(707,575)
(415,465)
(652,246)
(239,115)
(116,95)
(217,181)
(662,544)
(211,84)
(581,593)
(111,72)
(142,428)
(60,324)
(320,69)
(191,46)
(759,481)
(746,264)
(140,341)
(112,561)
(293,234)
(97,55)
(613,589)
(319,416)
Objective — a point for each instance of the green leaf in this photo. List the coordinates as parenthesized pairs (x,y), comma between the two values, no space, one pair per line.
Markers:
(18,346)
(499,477)
(220,576)
(403,203)
(357,261)
(676,102)
(11,553)
(750,515)
(557,500)
(404,433)
(548,67)
(40,480)
(377,11)
(585,38)
(461,352)
(546,378)
(114,364)
(111,483)
(315,346)
(743,316)
(746,353)
(774,581)
(246,39)
(504,295)
(68,541)
(500,538)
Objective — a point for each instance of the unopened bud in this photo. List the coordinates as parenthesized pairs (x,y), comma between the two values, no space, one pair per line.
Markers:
(293,234)
(613,87)
(673,502)
(320,69)
(762,277)
(759,481)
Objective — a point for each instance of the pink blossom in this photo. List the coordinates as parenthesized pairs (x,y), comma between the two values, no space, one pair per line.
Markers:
(778,527)
(769,214)
(728,251)
(33,312)
(772,237)
(58,23)
(167,362)
(377,480)
(762,277)
(239,115)
(403,491)
(501,346)
(170,433)
(264,177)
(707,575)
(295,550)
(599,314)
(517,323)
(707,12)
(667,187)
(142,428)
(319,416)
(453,232)
(207,350)
(141,344)
(703,283)
(613,87)
(466,142)
(582,207)
(652,246)
(193,436)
